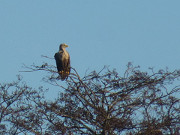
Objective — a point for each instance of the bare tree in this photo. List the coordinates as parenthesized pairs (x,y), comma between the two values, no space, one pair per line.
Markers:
(104,103)
(16,102)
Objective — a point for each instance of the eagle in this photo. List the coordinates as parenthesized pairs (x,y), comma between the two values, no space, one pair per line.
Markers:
(63,61)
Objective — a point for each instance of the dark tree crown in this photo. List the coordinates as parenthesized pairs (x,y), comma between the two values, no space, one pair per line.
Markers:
(100,103)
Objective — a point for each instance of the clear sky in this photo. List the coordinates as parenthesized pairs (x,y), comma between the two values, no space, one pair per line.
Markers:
(98,32)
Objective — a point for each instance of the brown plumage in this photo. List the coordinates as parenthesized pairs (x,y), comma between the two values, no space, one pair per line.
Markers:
(63,61)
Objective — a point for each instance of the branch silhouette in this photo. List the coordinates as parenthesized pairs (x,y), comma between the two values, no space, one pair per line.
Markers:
(102,102)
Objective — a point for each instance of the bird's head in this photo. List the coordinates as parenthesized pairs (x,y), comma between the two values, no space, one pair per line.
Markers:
(63,46)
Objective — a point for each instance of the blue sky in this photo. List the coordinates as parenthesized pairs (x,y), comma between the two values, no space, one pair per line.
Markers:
(98,32)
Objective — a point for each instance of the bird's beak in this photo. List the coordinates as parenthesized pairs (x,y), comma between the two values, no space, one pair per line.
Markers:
(67,46)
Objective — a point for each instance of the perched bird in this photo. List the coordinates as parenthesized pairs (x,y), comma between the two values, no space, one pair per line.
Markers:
(63,61)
